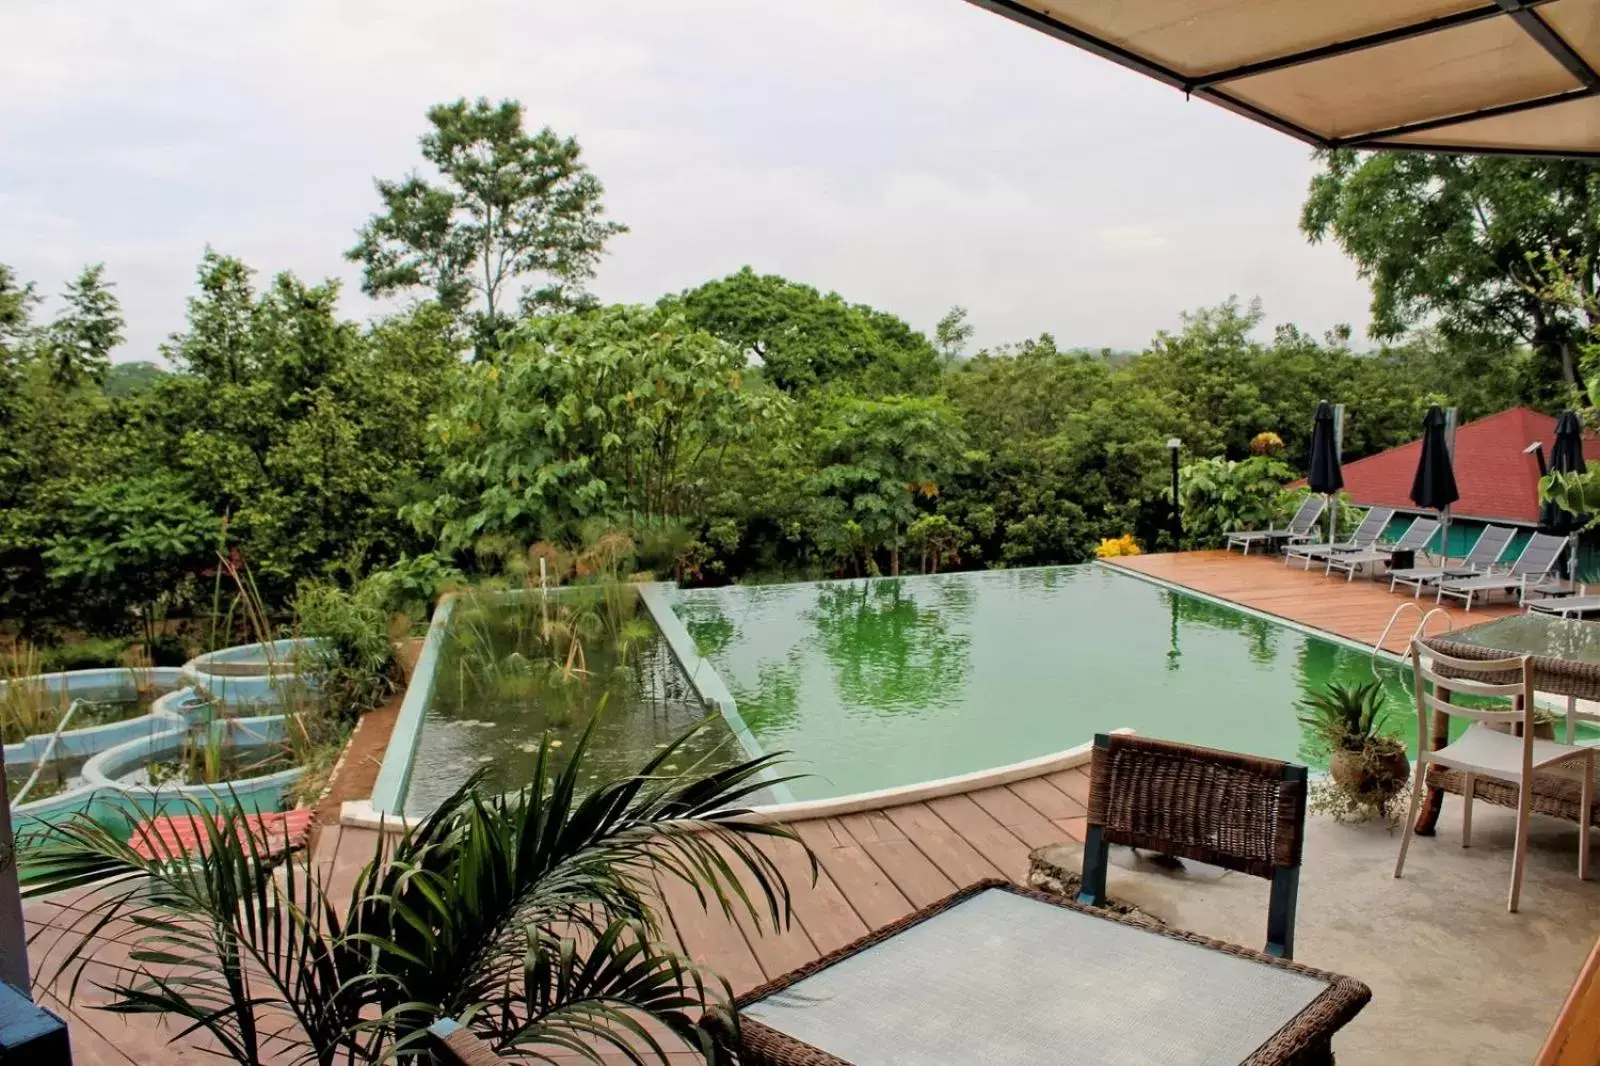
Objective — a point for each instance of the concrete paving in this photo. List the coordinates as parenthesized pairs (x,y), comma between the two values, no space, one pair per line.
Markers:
(1455,979)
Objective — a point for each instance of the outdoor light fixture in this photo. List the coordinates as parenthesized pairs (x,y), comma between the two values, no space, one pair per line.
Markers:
(1536,449)
(1173,444)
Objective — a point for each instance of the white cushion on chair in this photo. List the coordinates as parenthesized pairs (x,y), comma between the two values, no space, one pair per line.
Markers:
(1483,750)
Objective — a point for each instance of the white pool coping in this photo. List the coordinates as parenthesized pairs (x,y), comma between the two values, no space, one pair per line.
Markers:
(361,814)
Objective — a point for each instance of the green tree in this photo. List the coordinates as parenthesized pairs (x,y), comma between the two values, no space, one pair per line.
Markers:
(877,460)
(952,333)
(506,206)
(804,339)
(616,411)
(1460,241)
(82,336)
(131,542)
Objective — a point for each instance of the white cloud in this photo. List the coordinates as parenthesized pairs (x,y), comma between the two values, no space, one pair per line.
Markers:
(908,153)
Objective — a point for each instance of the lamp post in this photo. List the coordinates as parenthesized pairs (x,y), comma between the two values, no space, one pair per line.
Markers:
(1173,444)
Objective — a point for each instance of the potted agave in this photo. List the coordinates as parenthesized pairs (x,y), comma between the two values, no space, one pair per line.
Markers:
(1369,767)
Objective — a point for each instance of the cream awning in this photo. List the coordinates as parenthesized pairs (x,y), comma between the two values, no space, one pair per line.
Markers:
(1508,76)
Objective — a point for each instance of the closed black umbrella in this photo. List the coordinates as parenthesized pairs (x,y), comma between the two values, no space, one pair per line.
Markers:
(1326,475)
(1567,457)
(1434,487)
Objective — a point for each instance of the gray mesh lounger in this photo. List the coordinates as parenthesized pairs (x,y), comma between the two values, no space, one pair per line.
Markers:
(1299,529)
(1001,974)
(1481,558)
(1365,536)
(1532,567)
(1416,538)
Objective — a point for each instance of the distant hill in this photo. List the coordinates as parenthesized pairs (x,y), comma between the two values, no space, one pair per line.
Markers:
(126,379)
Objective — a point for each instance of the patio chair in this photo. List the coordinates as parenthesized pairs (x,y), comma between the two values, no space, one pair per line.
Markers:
(1300,529)
(1235,811)
(1416,538)
(455,1045)
(1531,569)
(1480,559)
(1564,606)
(1503,692)
(1365,536)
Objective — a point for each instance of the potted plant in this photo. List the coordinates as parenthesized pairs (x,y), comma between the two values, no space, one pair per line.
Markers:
(1367,765)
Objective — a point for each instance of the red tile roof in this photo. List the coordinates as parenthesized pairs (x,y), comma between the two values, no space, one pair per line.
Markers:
(1497,480)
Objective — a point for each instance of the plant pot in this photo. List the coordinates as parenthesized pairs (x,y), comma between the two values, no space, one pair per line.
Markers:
(1374,776)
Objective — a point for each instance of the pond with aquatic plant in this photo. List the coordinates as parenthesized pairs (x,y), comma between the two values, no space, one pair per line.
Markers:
(517,669)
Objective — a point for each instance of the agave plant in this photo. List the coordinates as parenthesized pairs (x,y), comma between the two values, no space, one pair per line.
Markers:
(528,917)
(1347,717)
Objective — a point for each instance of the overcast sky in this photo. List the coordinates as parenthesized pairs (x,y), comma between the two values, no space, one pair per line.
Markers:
(911,154)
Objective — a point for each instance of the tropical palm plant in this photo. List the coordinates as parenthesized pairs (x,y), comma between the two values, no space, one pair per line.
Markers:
(528,917)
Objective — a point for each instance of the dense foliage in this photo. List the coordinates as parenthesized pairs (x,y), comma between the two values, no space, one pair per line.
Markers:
(750,428)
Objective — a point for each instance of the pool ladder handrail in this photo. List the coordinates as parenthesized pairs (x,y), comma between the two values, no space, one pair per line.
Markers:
(1420,631)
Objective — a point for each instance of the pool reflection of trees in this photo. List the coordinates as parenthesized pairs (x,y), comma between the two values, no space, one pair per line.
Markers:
(1191,610)
(891,652)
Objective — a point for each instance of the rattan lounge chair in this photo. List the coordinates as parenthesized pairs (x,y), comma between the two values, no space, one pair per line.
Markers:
(1299,530)
(1365,536)
(1502,690)
(1480,559)
(1531,569)
(1416,538)
(1164,797)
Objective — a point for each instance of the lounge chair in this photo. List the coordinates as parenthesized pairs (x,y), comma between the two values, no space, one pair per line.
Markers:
(1365,536)
(1480,559)
(1416,538)
(1298,531)
(1531,569)
(1564,606)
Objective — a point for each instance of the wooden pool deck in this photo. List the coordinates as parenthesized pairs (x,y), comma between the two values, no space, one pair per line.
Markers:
(875,865)
(1355,610)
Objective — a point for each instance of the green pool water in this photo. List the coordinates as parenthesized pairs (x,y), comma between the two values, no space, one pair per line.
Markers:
(878,683)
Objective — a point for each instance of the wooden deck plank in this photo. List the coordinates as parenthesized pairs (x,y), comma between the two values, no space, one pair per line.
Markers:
(958,860)
(1074,782)
(1009,809)
(821,909)
(1355,610)
(873,896)
(1006,851)
(1047,799)
(706,935)
(777,949)
(917,878)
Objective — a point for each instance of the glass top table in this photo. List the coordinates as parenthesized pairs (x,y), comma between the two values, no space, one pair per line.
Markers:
(1565,639)
(1001,974)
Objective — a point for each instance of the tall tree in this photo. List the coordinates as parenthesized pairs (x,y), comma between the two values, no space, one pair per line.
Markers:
(804,338)
(80,340)
(1463,241)
(952,333)
(506,206)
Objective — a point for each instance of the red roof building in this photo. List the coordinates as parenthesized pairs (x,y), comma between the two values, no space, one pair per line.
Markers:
(1498,479)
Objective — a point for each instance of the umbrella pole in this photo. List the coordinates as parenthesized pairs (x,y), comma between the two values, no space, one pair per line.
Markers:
(1338,450)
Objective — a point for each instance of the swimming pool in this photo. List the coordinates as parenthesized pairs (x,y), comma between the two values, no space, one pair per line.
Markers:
(887,682)
(879,683)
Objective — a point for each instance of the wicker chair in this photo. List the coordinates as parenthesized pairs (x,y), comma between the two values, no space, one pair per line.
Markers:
(454,1045)
(1234,811)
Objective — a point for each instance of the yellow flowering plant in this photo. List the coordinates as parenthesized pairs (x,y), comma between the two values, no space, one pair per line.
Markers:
(1112,547)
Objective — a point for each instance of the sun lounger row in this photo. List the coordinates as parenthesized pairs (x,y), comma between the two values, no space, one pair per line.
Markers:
(1469,580)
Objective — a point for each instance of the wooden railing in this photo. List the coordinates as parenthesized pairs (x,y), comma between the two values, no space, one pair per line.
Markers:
(1575,1039)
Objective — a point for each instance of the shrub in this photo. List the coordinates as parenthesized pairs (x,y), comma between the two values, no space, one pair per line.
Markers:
(167,649)
(82,655)
(355,669)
